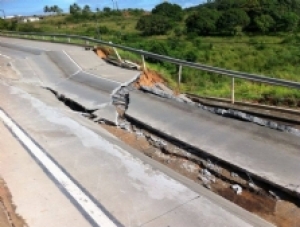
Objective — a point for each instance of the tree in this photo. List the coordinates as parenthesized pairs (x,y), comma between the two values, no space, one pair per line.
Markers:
(233,20)
(3,24)
(154,25)
(86,11)
(107,10)
(289,22)
(264,23)
(14,25)
(51,9)
(262,15)
(55,9)
(202,22)
(172,11)
(246,5)
(46,9)
(136,12)
(75,9)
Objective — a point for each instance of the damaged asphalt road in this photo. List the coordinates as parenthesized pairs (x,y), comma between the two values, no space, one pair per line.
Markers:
(245,145)
(258,151)
(101,165)
(58,72)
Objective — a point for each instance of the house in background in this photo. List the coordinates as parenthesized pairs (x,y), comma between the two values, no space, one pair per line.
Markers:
(11,17)
(29,19)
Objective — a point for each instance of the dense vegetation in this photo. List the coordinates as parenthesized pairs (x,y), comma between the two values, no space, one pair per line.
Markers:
(260,16)
(260,36)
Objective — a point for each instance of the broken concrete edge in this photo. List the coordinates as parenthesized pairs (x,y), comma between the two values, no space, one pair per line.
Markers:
(89,113)
(236,114)
(205,175)
(126,125)
(126,84)
(290,189)
(120,100)
(277,113)
(120,95)
(62,97)
(106,113)
(244,103)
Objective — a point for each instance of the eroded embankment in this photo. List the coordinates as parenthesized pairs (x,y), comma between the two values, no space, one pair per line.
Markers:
(241,188)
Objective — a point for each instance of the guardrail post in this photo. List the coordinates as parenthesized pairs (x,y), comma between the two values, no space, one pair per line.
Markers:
(118,56)
(53,38)
(232,90)
(179,76)
(43,37)
(69,40)
(87,42)
(144,63)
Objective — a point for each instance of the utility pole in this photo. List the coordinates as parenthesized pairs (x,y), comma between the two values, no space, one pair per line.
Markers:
(117,5)
(98,30)
(3,13)
(113,4)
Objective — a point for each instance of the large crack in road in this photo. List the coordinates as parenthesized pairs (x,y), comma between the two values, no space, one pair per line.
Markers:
(258,196)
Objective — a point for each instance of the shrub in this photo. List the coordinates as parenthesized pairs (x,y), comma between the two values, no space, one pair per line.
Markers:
(154,25)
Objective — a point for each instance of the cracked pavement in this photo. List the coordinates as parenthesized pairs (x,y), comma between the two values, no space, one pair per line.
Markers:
(132,191)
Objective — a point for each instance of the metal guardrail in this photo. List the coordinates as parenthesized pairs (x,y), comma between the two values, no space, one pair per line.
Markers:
(179,62)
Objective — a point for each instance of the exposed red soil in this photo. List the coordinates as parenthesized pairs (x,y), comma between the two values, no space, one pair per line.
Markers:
(149,78)
(102,52)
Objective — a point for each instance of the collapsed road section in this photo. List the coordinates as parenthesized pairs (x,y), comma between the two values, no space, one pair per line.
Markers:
(268,154)
(88,85)
(134,191)
(215,173)
(73,74)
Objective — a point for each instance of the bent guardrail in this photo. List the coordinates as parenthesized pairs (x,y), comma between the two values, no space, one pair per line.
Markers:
(181,63)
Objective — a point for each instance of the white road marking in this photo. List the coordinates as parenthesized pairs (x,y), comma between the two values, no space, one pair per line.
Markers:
(78,71)
(87,72)
(72,59)
(95,213)
(102,77)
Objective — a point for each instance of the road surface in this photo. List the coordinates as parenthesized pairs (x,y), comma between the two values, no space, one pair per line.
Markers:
(83,165)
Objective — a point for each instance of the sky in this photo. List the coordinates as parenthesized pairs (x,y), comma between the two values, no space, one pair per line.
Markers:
(31,7)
